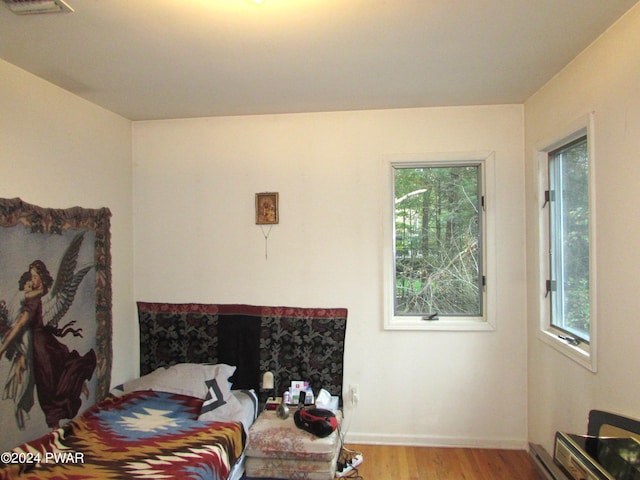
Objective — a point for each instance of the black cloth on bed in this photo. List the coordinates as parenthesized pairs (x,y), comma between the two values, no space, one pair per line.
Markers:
(239,345)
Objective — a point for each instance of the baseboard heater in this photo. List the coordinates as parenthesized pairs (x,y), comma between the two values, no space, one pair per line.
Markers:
(544,464)
(609,451)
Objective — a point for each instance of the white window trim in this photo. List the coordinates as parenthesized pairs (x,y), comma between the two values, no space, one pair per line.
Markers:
(584,354)
(488,321)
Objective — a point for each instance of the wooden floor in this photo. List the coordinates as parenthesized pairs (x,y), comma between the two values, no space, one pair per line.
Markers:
(383,462)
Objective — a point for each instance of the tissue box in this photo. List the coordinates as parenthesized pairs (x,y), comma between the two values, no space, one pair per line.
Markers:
(328,402)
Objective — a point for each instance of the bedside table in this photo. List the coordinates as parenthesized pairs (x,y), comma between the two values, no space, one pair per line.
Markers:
(279,449)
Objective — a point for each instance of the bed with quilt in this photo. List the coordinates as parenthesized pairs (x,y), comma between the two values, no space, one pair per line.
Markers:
(177,422)
(189,413)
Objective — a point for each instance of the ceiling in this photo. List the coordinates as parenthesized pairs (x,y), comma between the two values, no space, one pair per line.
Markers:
(160,59)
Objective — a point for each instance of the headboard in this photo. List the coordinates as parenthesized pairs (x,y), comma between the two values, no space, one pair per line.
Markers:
(292,343)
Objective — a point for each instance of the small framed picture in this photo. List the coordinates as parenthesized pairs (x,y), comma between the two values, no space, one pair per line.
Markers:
(266,208)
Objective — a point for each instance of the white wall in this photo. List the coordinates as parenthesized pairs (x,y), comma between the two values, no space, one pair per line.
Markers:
(59,151)
(196,240)
(605,79)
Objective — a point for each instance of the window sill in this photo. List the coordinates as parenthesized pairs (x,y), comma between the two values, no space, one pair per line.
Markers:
(416,323)
(580,354)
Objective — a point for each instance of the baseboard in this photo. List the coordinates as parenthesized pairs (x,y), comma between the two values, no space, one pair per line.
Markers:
(431,441)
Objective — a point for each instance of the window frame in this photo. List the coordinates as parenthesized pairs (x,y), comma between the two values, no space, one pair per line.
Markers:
(487,321)
(583,353)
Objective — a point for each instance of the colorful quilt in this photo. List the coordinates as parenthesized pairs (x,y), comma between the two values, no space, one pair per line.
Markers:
(142,434)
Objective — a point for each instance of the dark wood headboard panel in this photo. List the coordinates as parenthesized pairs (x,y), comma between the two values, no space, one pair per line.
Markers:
(293,343)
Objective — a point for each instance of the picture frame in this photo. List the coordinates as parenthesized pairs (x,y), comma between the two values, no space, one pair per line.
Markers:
(267,208)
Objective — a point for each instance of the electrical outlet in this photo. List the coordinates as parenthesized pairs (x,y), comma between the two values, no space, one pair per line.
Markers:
(355,393)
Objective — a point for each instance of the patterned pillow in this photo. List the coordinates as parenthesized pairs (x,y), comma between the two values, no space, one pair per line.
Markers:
(215,397)
(220,405)
(185,379)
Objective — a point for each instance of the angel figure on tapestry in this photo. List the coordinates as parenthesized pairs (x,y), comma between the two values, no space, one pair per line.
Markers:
(32,341)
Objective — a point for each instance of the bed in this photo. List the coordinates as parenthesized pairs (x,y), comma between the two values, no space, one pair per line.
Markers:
(188,414)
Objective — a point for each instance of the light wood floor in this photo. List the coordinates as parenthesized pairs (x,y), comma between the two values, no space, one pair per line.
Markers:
(383,462)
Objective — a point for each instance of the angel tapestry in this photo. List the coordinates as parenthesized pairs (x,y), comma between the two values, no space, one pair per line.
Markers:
(55,316)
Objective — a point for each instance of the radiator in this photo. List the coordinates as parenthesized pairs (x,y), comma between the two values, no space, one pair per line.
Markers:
(544,464)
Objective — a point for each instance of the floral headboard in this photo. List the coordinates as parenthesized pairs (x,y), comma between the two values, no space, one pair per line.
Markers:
(292,343)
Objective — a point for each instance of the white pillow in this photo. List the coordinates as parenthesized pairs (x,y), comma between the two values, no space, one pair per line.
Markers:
(185,379)
(250,404)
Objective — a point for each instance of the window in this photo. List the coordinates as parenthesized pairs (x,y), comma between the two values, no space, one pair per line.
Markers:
(437,219)
(568,194)
(568,225)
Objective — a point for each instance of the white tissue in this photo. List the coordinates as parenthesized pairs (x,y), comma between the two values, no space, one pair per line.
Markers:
(327,401)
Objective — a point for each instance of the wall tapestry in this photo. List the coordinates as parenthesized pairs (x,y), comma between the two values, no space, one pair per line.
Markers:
(55,315)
